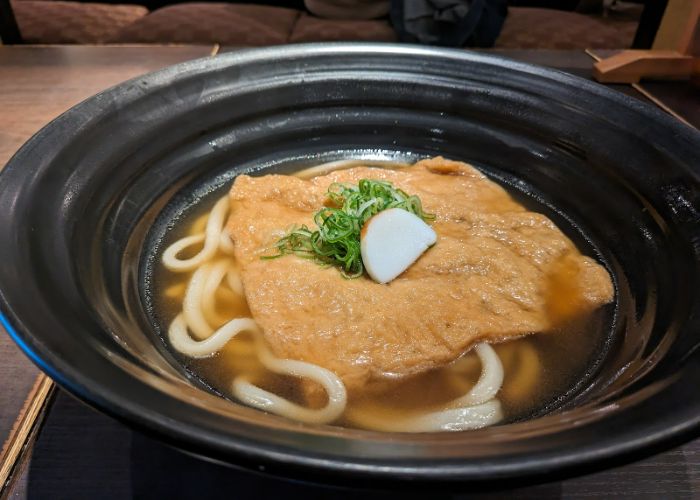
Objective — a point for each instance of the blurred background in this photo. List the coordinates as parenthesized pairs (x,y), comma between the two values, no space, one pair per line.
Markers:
(505,24)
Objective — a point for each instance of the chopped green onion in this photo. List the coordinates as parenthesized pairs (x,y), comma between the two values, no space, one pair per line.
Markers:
(336,242)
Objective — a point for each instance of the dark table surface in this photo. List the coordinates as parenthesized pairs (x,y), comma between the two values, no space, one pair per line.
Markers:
(80,453)
(83,454)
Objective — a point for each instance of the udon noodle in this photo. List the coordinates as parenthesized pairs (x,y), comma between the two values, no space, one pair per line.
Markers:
(481,388)
(193,334)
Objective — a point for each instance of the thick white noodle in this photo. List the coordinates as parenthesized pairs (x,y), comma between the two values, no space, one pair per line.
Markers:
(476,409)
(217,272)
(192,303)
(199,303)
(211,238)
(260,398)
(325,168)
(170,260)
(490,380)
(457,419)
(180,338)
(225,244)
(234,280)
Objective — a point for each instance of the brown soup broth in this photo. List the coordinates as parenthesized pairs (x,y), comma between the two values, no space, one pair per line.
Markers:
(541,370)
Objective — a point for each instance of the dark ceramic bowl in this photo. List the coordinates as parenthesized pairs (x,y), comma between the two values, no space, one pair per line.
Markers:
(83,203)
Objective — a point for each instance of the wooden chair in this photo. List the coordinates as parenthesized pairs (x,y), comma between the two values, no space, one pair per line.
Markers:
(674,53)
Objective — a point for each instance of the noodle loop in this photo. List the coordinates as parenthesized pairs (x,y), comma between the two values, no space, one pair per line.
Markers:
(476,409)
(265,400)
(211,238)
(200,317)
(181,340)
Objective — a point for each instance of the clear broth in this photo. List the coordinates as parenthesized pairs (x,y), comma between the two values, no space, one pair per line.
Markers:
(541,370)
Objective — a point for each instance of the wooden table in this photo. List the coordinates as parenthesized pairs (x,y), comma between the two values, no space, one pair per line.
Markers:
(80,453)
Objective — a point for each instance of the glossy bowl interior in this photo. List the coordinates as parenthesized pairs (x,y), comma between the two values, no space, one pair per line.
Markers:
(85,202)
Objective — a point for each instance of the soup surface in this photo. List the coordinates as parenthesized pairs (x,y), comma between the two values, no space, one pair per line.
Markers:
(497,274)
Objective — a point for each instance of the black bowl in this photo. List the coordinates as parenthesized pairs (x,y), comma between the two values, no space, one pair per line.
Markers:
(81,202)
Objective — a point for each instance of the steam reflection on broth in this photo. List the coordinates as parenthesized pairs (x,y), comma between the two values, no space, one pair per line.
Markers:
(202,292)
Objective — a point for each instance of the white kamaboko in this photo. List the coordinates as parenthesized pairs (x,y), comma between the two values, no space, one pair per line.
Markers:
(391,241)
